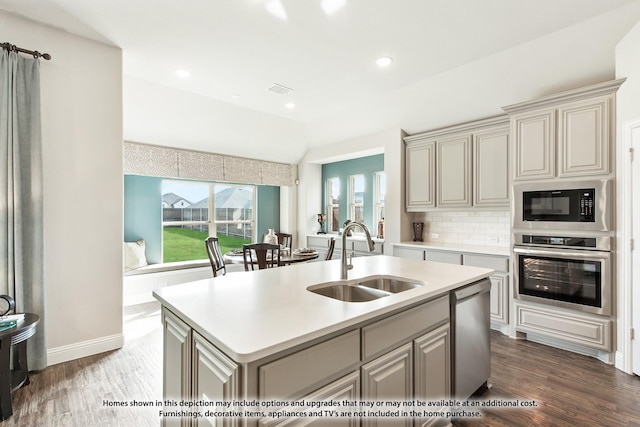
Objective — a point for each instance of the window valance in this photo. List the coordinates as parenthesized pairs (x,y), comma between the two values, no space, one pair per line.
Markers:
(168,162)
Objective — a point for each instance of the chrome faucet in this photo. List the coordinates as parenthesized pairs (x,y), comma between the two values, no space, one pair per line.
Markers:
(346,267)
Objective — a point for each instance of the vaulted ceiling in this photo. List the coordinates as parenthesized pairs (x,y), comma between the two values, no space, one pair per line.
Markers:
(453,60)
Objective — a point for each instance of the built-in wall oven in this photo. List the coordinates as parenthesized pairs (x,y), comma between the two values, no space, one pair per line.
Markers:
(562,234)
(566,271)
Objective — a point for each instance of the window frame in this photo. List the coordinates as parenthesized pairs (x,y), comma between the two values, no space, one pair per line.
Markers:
(331,205)
(353,205)
(212,222)
(379,196)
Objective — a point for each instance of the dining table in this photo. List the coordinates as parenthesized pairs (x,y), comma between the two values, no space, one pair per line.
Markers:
(286,256)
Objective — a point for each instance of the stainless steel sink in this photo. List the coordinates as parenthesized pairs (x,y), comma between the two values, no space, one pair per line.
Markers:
(365,289)
(389,284)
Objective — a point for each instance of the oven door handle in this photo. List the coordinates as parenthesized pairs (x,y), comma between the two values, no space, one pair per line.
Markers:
(573,254)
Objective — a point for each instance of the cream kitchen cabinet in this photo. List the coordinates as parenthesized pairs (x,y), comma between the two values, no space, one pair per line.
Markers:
(420,175)
(565,135)
(176,378)
(500,292)
(459,167)
(194,370)
(453,171)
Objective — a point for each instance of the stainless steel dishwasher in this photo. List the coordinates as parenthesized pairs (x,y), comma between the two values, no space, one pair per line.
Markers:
(471,341)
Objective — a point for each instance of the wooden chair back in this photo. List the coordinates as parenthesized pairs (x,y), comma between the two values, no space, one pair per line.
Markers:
(332,245)
(284,240)
(215,256)
(264,255)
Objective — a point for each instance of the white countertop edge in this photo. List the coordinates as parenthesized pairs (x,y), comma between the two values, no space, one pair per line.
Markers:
(458,247)
(247,353)
(356,237)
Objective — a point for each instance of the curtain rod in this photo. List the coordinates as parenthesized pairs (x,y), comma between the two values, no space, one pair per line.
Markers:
(12,47)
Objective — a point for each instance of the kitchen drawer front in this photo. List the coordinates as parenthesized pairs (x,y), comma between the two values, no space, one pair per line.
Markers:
(447,257)
(362,246)
(409,253)
(386,334)
(317,242)
(497,263)
(286,377)
(590,331)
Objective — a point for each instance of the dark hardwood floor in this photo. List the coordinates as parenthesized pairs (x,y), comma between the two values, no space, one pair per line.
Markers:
(569,389)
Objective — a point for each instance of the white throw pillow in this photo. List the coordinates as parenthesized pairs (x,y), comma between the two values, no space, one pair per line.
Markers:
(134,256)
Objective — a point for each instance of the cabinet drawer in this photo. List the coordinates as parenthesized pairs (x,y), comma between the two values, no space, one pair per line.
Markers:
(292,374)
(318,242)
(497,263)
(591,331)
(409,253)
(390,332)
(362,246)
(448,257)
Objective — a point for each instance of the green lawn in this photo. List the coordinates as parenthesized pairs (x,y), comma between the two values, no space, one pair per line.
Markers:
(182,244)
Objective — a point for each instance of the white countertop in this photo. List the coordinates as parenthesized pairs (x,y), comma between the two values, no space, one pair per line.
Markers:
(459,247)
(251,315)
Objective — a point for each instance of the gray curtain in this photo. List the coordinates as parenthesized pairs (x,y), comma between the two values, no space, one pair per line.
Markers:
(21,217)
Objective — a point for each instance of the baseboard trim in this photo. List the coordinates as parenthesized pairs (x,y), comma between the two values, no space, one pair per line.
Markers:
(74,351)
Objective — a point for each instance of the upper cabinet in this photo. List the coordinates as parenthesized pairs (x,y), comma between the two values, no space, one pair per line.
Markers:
(459,167)
(564,135)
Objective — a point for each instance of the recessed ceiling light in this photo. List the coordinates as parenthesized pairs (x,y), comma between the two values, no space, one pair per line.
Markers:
(332,6)
(183,74)
(290,105)
(275,8)
(384,61)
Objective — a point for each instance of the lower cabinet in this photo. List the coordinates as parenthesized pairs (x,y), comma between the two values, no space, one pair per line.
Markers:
(346,388)
(500,293)
(401,356)
(214,377)
(176,378)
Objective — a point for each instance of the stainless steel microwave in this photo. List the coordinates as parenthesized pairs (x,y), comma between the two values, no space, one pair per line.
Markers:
(570,205)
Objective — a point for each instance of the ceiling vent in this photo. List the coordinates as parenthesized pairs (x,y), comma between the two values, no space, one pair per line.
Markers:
(279,89)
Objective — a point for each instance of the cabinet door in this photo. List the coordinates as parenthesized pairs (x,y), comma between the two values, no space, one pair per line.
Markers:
(420,176)
(346,388)
(583,137)
(499,303)
(453,171)
(176,364)
(445,256)
(215,378)
(491,167)
(432,365)
(389,377)
(534,135)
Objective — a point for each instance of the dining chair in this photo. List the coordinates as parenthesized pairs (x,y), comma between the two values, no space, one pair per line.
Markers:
(215,256)
(264,255)
(332,245)
(284,240)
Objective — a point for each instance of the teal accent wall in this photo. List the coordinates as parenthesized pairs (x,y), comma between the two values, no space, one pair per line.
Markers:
(268,215)
(366,166)
(143,212)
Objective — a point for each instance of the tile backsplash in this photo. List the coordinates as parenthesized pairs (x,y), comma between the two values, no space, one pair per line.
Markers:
(486,228)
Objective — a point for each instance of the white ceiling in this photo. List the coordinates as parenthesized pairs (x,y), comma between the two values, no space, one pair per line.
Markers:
(454,60)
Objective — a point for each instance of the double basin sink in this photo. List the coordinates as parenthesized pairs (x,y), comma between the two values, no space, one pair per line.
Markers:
(365,289)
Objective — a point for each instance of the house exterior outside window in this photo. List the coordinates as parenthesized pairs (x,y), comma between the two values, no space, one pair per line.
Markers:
(186,219)
(356,198)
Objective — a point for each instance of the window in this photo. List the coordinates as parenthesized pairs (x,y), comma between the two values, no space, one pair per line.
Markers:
(380,185)
(186,222)
(356,198)
(333,205)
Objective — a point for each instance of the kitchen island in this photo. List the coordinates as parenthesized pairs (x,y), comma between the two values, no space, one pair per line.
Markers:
(263,335)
